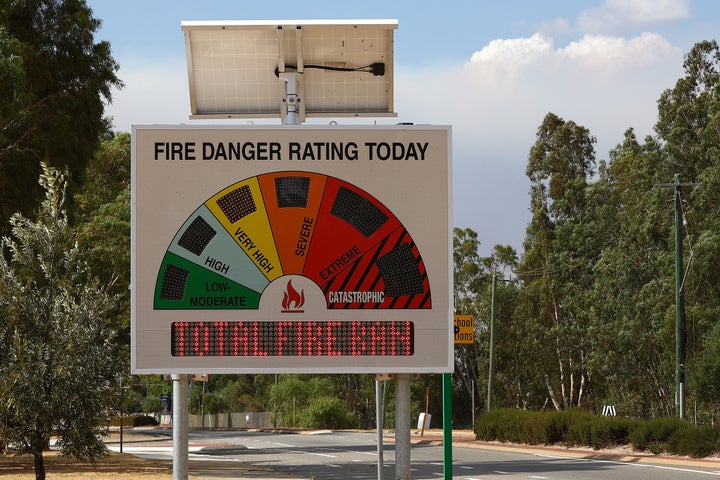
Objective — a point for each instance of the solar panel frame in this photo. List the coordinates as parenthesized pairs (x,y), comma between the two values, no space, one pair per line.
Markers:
(232,67)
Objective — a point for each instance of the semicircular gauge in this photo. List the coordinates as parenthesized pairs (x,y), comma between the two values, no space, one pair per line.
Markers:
(292,223)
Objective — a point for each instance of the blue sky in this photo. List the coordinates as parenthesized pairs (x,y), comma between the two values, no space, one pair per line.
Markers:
(490,69)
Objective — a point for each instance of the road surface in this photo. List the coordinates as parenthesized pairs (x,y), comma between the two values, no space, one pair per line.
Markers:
(353,455)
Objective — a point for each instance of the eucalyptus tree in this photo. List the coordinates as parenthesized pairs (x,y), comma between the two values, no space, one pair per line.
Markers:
(633,282)
(470,283)
(102,212)
(557,258)
(689,124)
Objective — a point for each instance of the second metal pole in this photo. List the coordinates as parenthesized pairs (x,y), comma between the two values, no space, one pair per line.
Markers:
(180,426)
(402,426)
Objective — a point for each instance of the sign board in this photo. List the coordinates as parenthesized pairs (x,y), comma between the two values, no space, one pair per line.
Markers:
(166,403)
(464,330)
(291,249)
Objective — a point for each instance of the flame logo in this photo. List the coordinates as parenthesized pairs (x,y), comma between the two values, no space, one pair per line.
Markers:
(293,300)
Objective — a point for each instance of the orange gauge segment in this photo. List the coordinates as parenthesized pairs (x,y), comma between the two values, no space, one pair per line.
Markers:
(292,201)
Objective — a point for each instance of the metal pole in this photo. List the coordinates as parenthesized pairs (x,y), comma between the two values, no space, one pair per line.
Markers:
(121,414)
(447,425)
(402,426)
(291,98)
(680,336)
(379,421)
(180,426)
(472,406)
(491,364)
(202,407)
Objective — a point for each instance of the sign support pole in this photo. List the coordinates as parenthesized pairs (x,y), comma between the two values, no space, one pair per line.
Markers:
(379,421)
(180,426)
(402,426)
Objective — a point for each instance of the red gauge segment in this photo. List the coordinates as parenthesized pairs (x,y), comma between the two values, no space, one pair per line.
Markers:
(390,275)
(349,223)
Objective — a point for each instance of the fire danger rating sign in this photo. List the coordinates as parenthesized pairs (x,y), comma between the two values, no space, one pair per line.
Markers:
(299,250)
(463,330)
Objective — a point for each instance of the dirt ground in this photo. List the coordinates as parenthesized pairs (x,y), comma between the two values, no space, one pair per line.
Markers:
(125,466)
(116,466)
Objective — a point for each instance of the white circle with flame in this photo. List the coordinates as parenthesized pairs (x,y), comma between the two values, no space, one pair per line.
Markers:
(294,295)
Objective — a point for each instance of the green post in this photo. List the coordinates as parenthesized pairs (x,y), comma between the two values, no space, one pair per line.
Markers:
(447,425)
(491,363)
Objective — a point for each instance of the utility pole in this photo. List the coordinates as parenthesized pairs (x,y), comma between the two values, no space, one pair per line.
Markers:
(491,363)
(680,330)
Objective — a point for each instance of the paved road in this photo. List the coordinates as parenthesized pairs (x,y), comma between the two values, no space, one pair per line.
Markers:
(352,455)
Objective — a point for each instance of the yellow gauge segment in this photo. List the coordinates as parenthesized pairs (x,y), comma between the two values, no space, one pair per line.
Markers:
(241,210)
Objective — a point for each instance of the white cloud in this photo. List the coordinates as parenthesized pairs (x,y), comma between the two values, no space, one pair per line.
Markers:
(620,15)
(498,98)
(502,60)
(516,51)
(605,52)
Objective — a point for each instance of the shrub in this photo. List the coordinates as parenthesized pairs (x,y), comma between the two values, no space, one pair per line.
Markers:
(502,424)
(581,428)
(152,404)
(144,420)
(610,431)
(327,412)
(697,442)
(653,434)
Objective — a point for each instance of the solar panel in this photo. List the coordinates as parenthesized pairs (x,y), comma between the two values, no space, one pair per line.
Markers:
(345,67)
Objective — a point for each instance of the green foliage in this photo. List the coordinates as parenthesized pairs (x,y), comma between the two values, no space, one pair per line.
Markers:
(311,402)
(60,361)
(327,412)
(215,403)
(152,404)
(653,434)
(698,442)
(599,432)
(579,428)
(59,90)
(502,424)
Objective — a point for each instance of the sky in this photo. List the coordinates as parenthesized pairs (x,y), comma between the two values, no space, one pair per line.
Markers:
(492,70)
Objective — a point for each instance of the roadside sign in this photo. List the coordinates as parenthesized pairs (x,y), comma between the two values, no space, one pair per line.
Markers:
(166,403)
(464,331)
(291,249)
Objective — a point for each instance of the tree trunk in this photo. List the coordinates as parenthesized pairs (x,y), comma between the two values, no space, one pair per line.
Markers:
(39,466)
(551,392)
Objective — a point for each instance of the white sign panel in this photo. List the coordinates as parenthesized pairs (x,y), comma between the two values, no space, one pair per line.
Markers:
(291,249)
